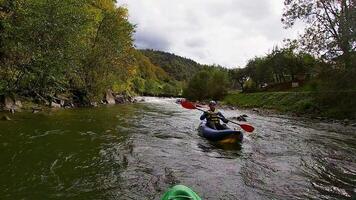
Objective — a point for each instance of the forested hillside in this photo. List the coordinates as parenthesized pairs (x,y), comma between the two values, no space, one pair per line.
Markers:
(181,69)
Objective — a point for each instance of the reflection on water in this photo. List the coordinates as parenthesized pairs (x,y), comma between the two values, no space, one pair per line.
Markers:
(138,151)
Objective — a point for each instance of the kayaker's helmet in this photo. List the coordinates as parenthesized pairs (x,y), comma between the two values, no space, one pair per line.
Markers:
(212,103)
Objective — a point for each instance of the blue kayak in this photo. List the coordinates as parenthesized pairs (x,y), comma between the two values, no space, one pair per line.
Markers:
(226,136)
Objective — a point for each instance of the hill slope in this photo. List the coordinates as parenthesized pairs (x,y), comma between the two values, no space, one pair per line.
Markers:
(179,68)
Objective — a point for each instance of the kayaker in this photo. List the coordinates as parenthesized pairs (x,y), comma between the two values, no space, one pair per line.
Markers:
(213,117)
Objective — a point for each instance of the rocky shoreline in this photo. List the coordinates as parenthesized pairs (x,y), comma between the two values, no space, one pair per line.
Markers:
(11,105)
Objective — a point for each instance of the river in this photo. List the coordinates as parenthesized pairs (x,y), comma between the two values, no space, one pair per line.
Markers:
(137,151)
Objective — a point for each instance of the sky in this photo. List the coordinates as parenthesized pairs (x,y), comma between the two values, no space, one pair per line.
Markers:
(222,32)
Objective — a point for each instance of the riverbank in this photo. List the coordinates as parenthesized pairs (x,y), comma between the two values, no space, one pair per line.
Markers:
(335,105)
(12,105)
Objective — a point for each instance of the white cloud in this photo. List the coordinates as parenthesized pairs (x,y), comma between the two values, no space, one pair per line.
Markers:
(225,32)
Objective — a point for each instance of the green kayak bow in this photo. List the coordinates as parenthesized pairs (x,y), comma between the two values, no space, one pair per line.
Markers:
(180,192)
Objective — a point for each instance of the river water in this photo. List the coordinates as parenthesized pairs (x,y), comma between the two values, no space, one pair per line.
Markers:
(137,151)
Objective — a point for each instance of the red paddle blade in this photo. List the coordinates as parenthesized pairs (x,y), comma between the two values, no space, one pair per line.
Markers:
(188,105)
(247,128)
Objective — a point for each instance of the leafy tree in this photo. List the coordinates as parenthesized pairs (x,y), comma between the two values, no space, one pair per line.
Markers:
(207,84)
(109,59)
(238,76)
(260,71)
(51,47)
(218,84)
(280,66)
(39,44)
(331,29)
(197,88)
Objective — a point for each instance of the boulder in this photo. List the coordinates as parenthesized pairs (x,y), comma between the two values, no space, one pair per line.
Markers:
(240,118)
(129,99)
(9,103)
(109,97)
(346,121)
(6,118)
(55,105)
(255,110)
(94,104)
(119,99)
(18,104)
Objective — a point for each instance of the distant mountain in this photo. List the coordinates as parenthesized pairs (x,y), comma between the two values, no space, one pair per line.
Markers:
(177,67)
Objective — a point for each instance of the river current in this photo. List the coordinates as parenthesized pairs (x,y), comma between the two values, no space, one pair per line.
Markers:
(138,151)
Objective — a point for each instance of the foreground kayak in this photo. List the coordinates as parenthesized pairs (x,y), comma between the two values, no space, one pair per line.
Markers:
(223,136)
(180,192)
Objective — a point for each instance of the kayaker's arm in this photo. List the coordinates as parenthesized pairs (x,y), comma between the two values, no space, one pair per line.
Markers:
(222,117)
(203,116)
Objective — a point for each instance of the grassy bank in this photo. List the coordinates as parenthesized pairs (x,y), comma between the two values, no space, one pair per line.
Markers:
(339,105)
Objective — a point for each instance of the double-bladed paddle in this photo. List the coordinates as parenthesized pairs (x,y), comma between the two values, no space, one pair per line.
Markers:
(189,105)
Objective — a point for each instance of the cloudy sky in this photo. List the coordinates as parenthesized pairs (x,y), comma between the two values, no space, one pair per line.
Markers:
(224,32)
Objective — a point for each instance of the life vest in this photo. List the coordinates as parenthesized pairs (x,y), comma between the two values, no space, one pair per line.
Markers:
(213,116)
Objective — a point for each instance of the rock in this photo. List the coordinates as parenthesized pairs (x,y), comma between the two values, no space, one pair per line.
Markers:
(36,109)
(68,104)
(6,118)
(119,99)
(129,99)
(94,104)
(9,103)
(12,105)
(354,125)
(140,99)
(346,121)
(55,105)
(255,110)
(62,99)
(109,97)
(241,118)
(62,102)
(18,103)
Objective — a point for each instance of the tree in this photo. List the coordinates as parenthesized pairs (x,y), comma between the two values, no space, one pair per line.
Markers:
(330,27)
(259,71)
(109,60)
(238,76)
(38,42)
(212,83)
(218,84)
(197,87)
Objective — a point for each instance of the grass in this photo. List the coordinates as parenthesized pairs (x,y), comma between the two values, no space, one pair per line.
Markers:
(338,105)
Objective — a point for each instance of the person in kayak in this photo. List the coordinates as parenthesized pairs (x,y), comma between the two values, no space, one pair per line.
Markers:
(213,117)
